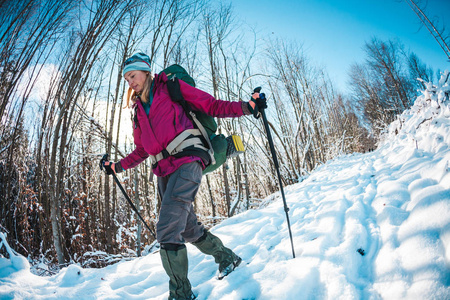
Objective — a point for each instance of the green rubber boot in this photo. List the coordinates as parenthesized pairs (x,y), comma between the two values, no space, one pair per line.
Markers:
(212,245)
(175,262)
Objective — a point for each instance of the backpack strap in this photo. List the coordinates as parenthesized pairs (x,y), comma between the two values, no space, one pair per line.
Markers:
(196,138)
(173,86)
(182,140)
(186,139)
(202,129)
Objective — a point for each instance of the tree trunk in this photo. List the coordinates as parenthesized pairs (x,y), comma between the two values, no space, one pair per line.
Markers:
(213,205)
(138,207)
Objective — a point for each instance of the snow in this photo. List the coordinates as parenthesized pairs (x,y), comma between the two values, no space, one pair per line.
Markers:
(392,205)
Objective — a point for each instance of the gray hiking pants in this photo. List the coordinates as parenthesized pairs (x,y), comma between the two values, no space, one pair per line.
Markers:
(177,222)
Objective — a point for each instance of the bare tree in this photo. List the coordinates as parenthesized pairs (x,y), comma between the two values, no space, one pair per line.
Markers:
(302,94)
(382,86)
(216,24)
(27,36)
(439,33)
(30,32)
(102,20)
(171,20)
(419,72)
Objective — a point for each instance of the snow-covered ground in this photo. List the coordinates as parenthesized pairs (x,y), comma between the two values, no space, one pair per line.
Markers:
(365,226)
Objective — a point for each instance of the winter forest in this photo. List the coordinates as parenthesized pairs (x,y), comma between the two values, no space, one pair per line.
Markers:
(62,108)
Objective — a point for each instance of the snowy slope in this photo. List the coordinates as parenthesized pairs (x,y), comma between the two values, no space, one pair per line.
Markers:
(393,205)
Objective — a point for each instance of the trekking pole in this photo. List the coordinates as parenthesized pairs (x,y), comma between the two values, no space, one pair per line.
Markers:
(275,162)
(105,158)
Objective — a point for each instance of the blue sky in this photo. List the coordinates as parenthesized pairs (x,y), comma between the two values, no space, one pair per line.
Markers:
(333,32)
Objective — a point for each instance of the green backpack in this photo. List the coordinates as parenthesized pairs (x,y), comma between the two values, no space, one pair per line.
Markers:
(218,146)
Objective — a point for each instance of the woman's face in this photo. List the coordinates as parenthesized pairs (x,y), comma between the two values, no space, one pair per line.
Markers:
(136,80)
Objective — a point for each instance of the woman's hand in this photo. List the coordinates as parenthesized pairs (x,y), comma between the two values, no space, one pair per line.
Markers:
(257,103)
(107,166)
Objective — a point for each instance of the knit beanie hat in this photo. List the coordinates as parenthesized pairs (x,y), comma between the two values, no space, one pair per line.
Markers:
(138,62)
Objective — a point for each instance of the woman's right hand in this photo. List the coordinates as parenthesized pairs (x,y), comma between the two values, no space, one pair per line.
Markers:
(110,167)
(107,166)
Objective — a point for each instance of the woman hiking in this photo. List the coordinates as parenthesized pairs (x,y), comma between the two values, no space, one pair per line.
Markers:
(157,122)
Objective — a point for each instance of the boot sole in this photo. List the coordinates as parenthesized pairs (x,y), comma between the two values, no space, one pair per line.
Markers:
(235,265)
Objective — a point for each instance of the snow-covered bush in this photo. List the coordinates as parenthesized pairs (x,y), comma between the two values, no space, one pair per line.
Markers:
(431,110)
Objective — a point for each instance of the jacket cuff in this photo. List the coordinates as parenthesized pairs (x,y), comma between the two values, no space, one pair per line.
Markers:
(245,108)
(118,167)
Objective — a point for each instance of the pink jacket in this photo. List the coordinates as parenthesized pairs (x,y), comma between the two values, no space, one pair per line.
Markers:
(167,119)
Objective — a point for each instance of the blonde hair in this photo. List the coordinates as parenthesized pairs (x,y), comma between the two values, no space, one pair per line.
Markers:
(144,95)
